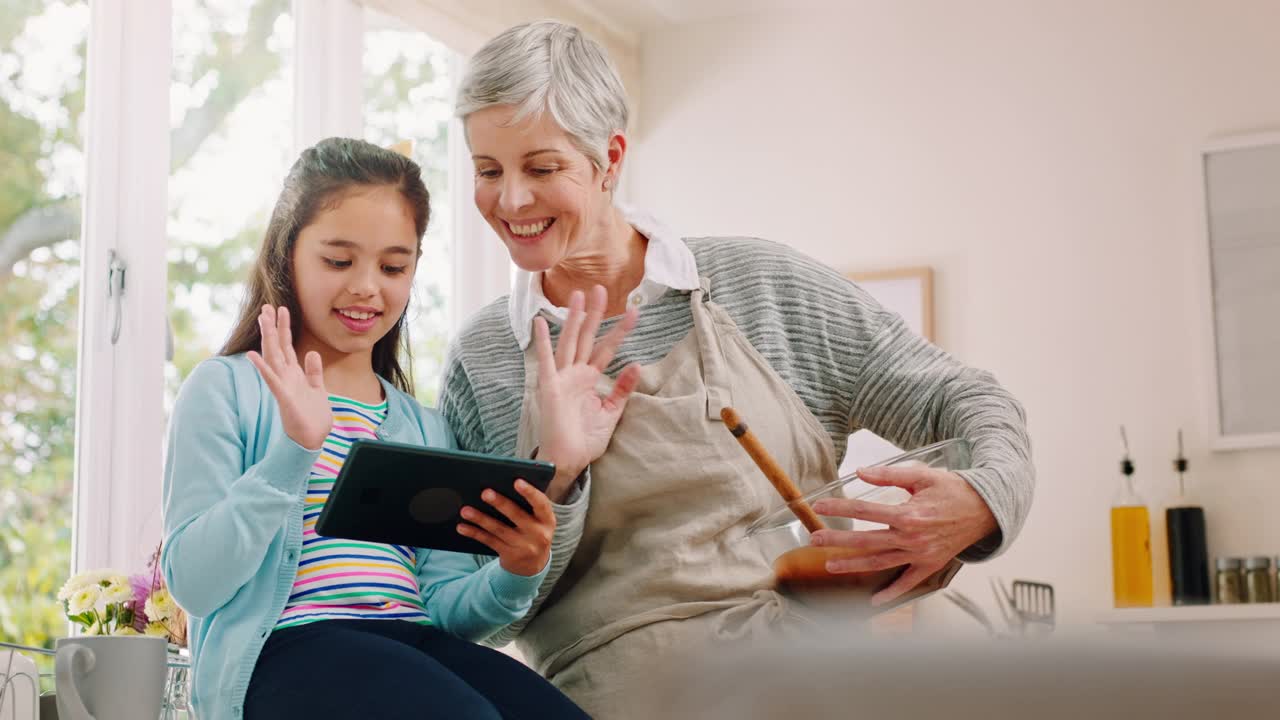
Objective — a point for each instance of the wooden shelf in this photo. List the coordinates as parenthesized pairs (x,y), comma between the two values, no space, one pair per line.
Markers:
(1192,613)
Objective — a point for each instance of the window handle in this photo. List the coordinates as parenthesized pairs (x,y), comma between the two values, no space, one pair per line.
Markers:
(115,290)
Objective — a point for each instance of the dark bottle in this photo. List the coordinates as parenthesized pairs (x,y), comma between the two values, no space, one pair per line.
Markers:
(1188,551)
(1188,555)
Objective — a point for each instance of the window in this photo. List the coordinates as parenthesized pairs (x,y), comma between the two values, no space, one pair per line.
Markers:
(408,99)
(42,92)
(231,103)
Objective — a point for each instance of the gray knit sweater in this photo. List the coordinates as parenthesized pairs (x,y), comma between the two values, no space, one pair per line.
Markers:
(853,364)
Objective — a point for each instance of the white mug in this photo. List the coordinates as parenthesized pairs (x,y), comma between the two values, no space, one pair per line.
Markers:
(110,678)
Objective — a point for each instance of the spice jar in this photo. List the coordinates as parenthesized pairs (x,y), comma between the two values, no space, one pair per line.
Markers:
(1230,580)
(1257,580)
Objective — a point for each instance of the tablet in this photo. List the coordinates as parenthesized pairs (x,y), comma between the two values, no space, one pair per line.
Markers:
(411,495)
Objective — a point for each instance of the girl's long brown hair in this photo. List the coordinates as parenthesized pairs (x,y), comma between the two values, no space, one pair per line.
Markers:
(317,182)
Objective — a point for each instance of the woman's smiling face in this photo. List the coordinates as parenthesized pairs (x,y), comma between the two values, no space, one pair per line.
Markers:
(541,194)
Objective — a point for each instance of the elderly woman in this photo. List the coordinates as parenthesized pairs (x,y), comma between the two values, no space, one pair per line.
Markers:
(645,562)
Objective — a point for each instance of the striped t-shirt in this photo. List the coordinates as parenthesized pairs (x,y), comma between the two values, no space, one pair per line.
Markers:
(344,579)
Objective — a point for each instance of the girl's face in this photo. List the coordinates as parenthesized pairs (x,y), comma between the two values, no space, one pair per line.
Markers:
(541,195)
(353,271)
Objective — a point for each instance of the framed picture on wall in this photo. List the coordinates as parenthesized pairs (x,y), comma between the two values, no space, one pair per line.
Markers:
(908,292)
(1242,223)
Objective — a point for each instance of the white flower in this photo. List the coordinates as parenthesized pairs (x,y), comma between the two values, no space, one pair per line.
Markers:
(156,629)
(83,600)
(160,606)
(116,592)
(87,578)
(74,583)
(69,587)
(124,630)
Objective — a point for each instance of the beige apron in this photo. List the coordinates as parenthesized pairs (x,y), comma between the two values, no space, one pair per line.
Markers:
(663,569)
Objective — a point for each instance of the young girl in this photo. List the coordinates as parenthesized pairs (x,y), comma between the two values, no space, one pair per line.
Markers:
(286,623)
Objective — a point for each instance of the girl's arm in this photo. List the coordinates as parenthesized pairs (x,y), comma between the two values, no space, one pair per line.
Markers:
(219,515)
(469,602)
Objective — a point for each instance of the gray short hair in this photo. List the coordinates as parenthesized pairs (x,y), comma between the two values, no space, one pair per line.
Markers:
(550,66)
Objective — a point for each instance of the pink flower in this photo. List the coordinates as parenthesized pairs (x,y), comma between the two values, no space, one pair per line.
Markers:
(141,584)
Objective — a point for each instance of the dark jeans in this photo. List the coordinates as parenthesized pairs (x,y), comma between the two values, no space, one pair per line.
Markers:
(335,669)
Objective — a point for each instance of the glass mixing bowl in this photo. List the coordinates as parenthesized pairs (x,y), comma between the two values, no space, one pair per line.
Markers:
(800,568)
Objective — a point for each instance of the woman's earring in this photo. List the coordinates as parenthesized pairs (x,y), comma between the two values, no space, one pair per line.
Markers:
(608,183)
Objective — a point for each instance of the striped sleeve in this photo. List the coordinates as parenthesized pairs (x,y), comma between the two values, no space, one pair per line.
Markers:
(856,365)
(862,363)
(457,403)
(913,393)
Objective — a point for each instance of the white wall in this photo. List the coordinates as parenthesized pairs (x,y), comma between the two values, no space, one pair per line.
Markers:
(1042,157)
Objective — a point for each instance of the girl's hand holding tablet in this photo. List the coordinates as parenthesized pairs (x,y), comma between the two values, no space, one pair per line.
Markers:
(523,549)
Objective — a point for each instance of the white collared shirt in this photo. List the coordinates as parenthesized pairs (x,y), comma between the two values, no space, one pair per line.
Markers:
(668,265)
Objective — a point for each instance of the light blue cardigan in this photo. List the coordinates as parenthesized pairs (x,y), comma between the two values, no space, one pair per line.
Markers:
(234,485)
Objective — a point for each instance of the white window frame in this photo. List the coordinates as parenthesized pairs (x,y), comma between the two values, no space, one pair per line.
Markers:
(328,71)
(120,386)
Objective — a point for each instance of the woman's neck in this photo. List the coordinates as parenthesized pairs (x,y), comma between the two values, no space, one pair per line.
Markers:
(613,258)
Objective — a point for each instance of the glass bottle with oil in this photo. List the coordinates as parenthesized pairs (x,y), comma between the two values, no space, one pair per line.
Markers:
(1188,551)
(1130,541)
